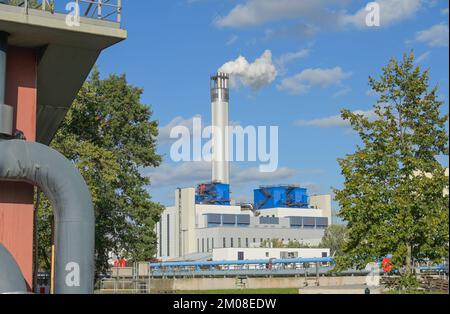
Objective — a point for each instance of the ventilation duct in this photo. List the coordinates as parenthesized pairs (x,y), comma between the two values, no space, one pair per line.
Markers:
(11,278)
(73,210)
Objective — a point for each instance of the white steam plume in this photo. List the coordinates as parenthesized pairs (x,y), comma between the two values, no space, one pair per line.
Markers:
(255,75)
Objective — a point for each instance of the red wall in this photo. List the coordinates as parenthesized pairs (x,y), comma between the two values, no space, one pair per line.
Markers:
(16,199)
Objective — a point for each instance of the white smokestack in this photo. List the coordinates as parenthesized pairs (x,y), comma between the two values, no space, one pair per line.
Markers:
(220,140)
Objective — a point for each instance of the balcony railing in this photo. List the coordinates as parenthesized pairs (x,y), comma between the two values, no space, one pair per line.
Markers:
(110,10)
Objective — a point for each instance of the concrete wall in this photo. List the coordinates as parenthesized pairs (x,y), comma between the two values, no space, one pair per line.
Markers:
(16,198)
(254,235)
(185,203)
(167,230)
(323,202)
(192,284)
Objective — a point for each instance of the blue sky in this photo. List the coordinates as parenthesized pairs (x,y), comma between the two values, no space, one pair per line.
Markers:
(323,54)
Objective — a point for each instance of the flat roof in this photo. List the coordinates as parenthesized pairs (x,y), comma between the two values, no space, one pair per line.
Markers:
(65,56)
(34,28)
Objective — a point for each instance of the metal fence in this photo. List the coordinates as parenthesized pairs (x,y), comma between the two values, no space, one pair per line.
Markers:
(110,10)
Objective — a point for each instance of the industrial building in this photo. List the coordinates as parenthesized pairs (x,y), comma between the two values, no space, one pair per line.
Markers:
(205,218)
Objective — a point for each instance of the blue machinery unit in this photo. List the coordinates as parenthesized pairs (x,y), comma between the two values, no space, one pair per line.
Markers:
(213,193)
(284,196)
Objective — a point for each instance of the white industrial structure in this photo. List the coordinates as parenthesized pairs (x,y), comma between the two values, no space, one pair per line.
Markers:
(233,254)
(220,136)
(204,219)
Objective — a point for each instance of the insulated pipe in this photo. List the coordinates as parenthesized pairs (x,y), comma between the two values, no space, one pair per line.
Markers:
(220,134)
(11,278)
(6,112)
(73,210)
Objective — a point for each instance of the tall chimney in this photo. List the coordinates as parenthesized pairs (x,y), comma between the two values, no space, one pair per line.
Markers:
(6,112)
(220,136)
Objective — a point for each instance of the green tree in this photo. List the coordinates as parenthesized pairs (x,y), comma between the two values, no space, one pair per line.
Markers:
(272,243)
(33,4)
(295,244)
(393,196)
(109,135)
(334,238)
(277,243)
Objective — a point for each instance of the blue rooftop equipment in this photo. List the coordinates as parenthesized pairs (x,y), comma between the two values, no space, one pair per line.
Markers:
(283,196)
(213,193)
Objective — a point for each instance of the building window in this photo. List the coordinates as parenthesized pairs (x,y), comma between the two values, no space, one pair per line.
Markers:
(254,240)
(207,244)
(239,242)
(267,254)
(224,243)
(198,245)
(203,245)
(212,244)
(232,244)
(240,256)
(246,242)
(168,235)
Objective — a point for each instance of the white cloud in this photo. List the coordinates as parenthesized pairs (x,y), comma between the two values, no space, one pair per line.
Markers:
(255,75)
(185,174)
(257,12)
(253,175)
(391,12)
(435,36)
(342,92)
(192,173)
(444,11)
(423,57)
(309,78)
(292,56)
(334,121)
(232,40)
(314,15)
(164,131)
(299,31)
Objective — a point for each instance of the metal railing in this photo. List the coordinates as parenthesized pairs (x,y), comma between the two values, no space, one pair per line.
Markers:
(110,10)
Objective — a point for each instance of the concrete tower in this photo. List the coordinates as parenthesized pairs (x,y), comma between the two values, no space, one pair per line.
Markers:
(220,136)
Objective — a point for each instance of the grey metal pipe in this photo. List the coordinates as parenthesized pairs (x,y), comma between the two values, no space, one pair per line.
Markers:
(11,278)
(71,201)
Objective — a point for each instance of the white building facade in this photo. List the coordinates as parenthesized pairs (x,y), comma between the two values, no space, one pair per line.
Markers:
(189,228)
